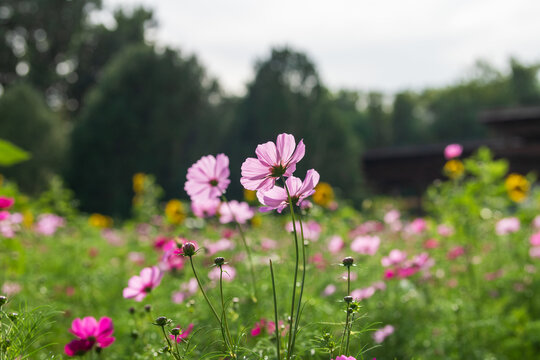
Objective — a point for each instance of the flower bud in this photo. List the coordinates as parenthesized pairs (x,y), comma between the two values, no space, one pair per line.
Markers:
(147,307)
(189,249)
(131,310)
(219,261)
(348,261)
(348,299)
(175,331)
(161,321)
(13,316)
(3,300)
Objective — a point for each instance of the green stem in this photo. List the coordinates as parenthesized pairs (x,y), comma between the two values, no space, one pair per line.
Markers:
(248,251)
(298,308)
(278,338)
(167,339)
(226,325)
(349,335)
(291,330)
(204,293)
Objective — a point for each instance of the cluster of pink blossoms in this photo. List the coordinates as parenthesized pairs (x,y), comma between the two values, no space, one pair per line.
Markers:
(278,161)
(398,266)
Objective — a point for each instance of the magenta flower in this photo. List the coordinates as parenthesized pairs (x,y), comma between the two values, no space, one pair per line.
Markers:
(344,357)
(383,333)
(507,226)
(140,286)
(276,198)
(535,239)
(455,252)
(208,178)
(417,226)
(235,211)
(170,261)
(366,245)
(453,151)
(6,202)
(204,208)
(273,161)
(183,334)
(90,332)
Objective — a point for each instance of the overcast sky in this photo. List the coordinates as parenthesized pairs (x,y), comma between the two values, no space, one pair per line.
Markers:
(386,45)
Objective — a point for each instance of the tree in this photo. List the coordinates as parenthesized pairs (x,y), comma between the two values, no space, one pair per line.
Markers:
(149,113)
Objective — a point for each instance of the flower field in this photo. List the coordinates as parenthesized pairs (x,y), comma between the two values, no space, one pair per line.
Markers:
(288,272)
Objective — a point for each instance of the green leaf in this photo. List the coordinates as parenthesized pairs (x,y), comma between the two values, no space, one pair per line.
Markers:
(11,154)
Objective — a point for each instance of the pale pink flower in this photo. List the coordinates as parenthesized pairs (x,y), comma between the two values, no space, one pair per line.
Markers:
(6,202)
(218,246)
(417,226)
(276,198)
(183,334)
(336,244)
(452,151)
(535,239)
(392,216)
(8,228)
(534,252)
(113,237)
(16,218)
(445,230)
(136,257)
(312,229)
(507,226)
(229,273)
(47,224)
(361,294)
(208,178)
(187,289)
(273,161)
(370,226)
(536,222)
(268,244)
(11,288)
(383,333)
(329,290)
(395,257)
(204,208)
(305,205)
(379,285)
(234,210)
(90,332)
(366,245)
(140,286)
(353,276)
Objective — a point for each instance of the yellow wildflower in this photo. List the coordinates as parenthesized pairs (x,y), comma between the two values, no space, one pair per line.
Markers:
(250,195)
(324,194)
(517,187)
(175,212)
(100,221)
(454,169)
(28,219)
(138,182)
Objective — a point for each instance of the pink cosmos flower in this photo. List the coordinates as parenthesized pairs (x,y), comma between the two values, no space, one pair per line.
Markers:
(392,216)
(234,210)
(47,224)
(455,252)
(536,222)
(208,178)
(452,151)
(329,290)
(366,245)
(445,230)
(183,334)
(264,324)
(11,288)
(268,244)
(507,226)
(344,357)
(229,273)
(370,226)
(8,227)
(113,237)
(361,294)
(170,261)
(90,332)
(383,333)
(140,286)
(273,161)
(6,202)
(318,260)
(395,257)
(336,244)
(4,215)
(312,229)
(218,246)
(204,208)
(277,199)
(431,244)
(534,252)
(186,290)
(535,239)
(418,226)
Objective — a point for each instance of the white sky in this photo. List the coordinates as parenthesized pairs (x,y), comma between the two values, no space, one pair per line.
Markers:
(385,45)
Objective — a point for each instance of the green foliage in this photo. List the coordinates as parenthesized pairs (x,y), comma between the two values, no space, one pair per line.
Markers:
(142,115)
(28,123)
(11,154)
